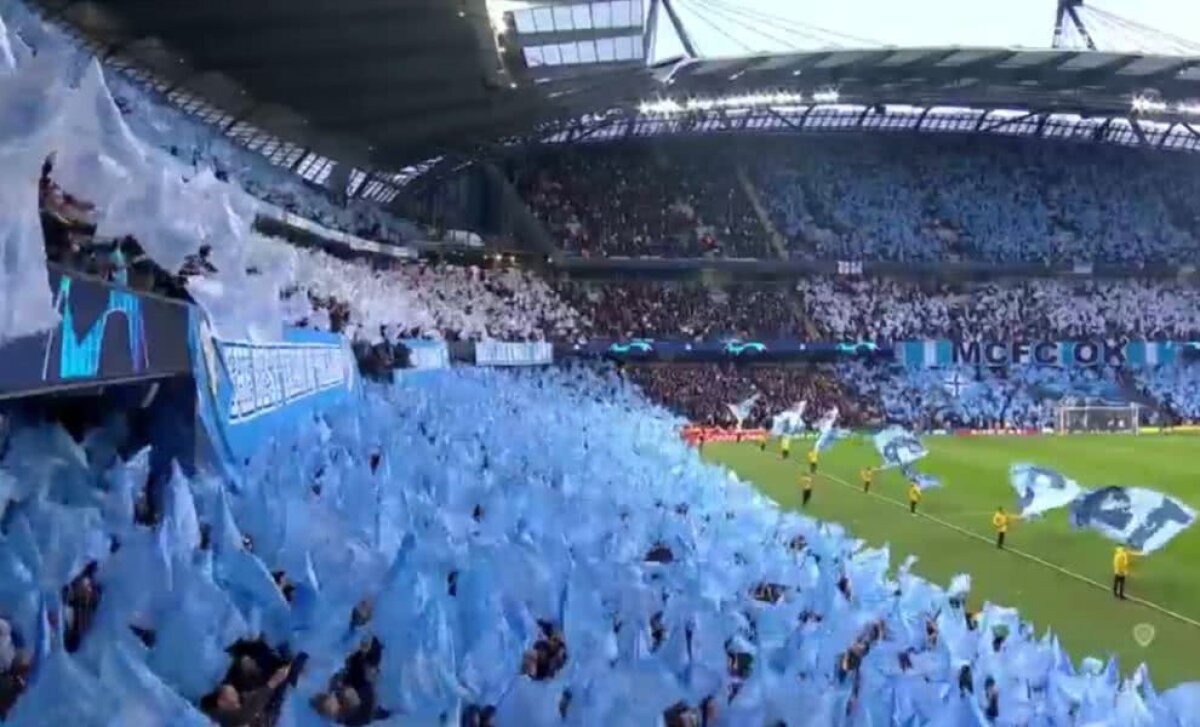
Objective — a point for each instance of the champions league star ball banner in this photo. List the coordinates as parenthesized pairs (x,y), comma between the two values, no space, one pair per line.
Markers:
(941,353)
(1040,490)
(898,447)
(1143,519)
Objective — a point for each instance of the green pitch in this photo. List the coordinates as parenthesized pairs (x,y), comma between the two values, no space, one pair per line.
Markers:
(1088,620)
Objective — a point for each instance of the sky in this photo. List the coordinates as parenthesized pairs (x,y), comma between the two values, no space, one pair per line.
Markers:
(738,27)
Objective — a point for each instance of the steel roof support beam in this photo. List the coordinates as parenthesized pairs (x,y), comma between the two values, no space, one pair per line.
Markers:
(649,31)
(1067,10)
(684,38)
(1137,131)
(1006,122)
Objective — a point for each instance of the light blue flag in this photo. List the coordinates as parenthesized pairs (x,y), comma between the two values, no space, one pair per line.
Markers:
(789,423)
(921,480)
(1143,519)
(898,447)
(1040,489)
(742,409)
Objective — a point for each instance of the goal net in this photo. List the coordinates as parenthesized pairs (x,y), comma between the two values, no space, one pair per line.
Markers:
(1092,418)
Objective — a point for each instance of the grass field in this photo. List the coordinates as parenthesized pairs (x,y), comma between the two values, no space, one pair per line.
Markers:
(953,534)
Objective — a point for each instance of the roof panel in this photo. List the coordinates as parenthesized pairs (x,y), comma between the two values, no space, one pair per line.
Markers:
(967,55)
(904,56)
(602,15)
(1025,59)
(563,18)
(581,16)
(1086,61)
(1148,65)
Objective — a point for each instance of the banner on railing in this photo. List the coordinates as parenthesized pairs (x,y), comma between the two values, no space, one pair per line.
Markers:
(693,434)
(500,353)
(426,355)
(248,390)
(939,353)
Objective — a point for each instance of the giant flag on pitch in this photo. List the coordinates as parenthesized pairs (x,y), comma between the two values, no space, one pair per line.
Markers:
(1040,489)
(898,447)
(1143,519)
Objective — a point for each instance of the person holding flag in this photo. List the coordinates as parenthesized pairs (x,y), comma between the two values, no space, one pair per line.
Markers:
(914,497)
(812,461)
(1000,522)
(867,474)
(1121,559)
(806,482)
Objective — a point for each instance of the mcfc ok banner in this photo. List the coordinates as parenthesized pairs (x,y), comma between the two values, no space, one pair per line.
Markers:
(938,353)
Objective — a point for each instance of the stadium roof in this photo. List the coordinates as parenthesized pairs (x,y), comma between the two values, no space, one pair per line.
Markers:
(1048,80)
(390,87)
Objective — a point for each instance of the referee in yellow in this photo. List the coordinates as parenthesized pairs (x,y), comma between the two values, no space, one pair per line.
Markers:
(1121,559)
(867,474)
(914,497)
(1000,522)
(812,461)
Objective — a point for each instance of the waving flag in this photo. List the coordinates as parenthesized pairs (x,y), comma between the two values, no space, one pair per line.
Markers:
(829,434)
(1040,490)
(790,422)
(922,481)
(898,447)
(1143,519)
(741,410)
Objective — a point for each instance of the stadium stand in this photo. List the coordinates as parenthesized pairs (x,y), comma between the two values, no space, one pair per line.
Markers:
(908,199)
(804,626)
(385,298)
(415,552)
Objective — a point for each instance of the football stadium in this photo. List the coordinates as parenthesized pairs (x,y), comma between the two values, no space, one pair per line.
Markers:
(694,363)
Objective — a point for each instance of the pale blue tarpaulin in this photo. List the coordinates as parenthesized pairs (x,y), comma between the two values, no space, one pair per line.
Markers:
(1143,519)
(1040,489)
(898,447)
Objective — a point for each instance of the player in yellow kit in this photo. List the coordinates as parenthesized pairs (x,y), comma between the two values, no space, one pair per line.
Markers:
(1000,522)
(867,474)
(812,461)
(785,447)
(806,482)
(914,497)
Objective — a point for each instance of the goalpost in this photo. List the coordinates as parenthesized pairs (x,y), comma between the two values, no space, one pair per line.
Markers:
(1093,418)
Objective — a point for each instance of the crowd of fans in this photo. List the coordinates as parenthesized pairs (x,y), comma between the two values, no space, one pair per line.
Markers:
(692,311)
(890,309)
(704,393)
(476,595)
(389,300)
(643,200)
(1010,310)
(870,198)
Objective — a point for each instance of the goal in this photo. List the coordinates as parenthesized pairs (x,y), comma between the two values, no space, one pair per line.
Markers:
(1093,418)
